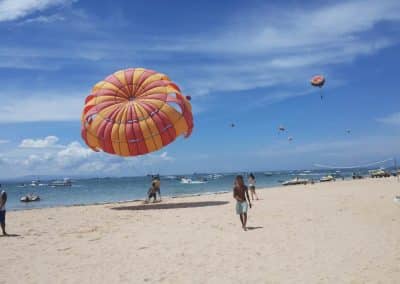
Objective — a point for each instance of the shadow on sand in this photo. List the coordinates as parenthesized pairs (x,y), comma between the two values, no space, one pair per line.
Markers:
(9,235)
(158,206)
(254,228)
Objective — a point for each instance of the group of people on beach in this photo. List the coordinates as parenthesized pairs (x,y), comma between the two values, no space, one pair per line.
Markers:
(241,195)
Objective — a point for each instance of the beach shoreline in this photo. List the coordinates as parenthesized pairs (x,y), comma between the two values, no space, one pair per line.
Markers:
(166,197)
(339,232)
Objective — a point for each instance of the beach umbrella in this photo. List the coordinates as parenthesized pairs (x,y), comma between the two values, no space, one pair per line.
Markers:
(318,81)
(134,112)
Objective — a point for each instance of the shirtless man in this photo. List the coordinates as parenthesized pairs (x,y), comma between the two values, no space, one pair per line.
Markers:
(241,194)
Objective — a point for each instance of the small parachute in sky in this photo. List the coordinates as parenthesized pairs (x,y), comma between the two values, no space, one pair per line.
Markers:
(290,138)
(232,125)
(348,131)
(281,128)
(318,81)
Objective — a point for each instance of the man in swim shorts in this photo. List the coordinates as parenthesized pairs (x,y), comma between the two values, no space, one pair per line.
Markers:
(241,194)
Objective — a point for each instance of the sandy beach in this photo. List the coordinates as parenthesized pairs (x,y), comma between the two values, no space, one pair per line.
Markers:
(341,232)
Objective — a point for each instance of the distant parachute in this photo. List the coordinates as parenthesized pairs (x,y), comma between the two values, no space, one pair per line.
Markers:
(290,138)
(232,125)
(348,131)
(318,81)
(281,128)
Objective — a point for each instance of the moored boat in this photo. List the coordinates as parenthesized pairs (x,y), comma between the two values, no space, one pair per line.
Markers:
(327,178)
(64,182)
(30,198)
(295,181)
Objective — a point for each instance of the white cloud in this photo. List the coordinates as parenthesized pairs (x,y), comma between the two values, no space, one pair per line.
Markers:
(53,107)
(272,30)
(73,155)
(46,156)
(15,9)
(393,119)
(285,47)
(47,142)
(43,19)
(3,141)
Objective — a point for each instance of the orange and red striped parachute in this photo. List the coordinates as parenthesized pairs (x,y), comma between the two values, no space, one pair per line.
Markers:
(134,112)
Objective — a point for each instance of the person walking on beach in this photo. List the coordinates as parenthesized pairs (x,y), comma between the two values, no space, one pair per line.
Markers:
(252,186)
(241,194)
(3,200)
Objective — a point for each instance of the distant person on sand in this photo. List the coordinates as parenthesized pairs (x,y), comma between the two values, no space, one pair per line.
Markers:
(241,194)
(252,186)
(154,189)
(151,193)
(3,200)
(157,185)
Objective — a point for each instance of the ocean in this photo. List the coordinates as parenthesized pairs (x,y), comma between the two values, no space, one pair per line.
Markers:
(104,190)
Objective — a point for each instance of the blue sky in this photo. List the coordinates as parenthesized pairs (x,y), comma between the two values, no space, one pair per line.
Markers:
(243,62)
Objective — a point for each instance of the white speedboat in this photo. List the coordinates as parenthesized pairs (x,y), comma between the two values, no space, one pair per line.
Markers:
(35,183)
(295,181)
(327,178)
(29,198)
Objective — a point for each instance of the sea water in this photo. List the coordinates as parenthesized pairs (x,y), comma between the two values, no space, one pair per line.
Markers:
(103,190)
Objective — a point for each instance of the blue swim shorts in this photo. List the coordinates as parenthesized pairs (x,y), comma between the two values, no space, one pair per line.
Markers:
(241,207)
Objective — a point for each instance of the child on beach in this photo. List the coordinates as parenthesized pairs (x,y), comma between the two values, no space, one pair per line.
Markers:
(241,194)
(3,200)
(252,186)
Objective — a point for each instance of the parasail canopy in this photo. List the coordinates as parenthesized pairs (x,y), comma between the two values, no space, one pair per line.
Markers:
(134,112)
(317,81)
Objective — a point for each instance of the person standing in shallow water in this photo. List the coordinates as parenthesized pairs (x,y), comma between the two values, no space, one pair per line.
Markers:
(252,186)
(241,194)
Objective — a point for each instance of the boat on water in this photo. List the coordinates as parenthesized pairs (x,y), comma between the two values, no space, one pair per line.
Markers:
(30,198)
(36,183)
(190,181)
(58,183)
(213,176)
(295,181)
(327,178)
(379,173)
